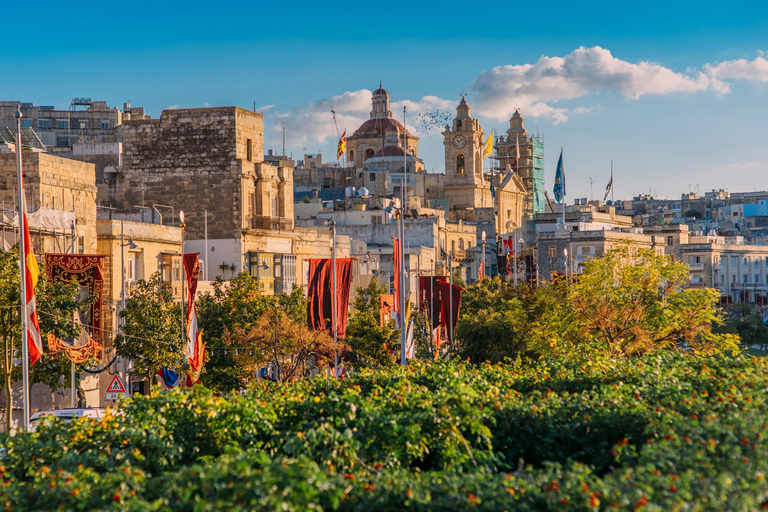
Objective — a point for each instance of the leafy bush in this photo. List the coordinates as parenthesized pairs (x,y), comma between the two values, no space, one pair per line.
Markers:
(661,432)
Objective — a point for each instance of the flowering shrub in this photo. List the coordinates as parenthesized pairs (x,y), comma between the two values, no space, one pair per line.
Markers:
(662,432)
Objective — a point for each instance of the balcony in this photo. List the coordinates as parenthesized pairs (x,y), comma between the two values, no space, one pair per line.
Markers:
(270,223)
(717,266)
(695,266)
(748,286)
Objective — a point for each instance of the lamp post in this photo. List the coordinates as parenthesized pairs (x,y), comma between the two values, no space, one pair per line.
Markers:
(521,241)
(183,317)
(123,245)
(450,298)
(565,252)
(23,277)
(484,269)
(333,299)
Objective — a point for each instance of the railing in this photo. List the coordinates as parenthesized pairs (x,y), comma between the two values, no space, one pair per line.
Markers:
(747,286)
(271,223)
(695,266)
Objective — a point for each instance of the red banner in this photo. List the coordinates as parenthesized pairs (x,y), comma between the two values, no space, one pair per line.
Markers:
(87,270)
(320,290)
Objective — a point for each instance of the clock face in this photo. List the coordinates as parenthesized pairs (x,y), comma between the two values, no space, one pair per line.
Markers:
(459,141)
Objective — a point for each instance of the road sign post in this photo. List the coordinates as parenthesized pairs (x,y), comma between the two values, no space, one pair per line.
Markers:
(116,389)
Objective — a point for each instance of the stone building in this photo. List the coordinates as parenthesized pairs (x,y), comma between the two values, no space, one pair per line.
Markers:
(86,120)
(584,245)
(738,270)
(55,187)
(238,207)
(524,154)
(370,136)
(149,248)
(467,187)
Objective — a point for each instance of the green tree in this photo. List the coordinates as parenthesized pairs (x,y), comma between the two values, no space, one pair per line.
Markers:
(55,304)
(235,306)
(291,348)
(152,332)
(370,343)
(745,321)
(632,304)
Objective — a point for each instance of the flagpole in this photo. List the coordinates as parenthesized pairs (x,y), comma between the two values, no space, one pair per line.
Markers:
(403,196)
(611,181)
(23,264)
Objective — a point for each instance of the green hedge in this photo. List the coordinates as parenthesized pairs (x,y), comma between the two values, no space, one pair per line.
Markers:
(663,432)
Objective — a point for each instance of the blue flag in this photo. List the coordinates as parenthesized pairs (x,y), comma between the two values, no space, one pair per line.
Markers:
(560,180)
(493,190)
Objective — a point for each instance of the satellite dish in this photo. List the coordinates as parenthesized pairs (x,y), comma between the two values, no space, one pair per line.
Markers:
(360,247)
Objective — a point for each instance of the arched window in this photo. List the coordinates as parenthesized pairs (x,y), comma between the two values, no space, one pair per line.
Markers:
(369,153)
(351,156)
(461,244)
(460,164)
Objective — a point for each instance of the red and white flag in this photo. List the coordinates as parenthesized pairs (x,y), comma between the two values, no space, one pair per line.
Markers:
(195,348)
(31,275)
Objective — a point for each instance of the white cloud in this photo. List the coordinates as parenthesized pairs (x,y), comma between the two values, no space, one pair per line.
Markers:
(173,107)
(584,71)
(740,69)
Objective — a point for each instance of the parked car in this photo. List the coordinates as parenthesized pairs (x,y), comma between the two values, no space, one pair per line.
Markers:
(45,417)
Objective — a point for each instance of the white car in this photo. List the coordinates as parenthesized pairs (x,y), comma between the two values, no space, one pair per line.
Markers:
(45,417)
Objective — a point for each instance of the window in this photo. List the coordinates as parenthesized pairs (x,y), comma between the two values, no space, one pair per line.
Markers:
(312,165)
(734,260)
(733,279)
(745,261)
(746,278)
(351,156)
(586,250)
(670,240)
(552,251)
(373,176)
(326,182)
(170,268)
(105,125)
(81,245)
(460,164)
(757,278)
(44,124)
(249,150)
(369,153)
(129,271)
(694,259)
(461,244)
(509,213)
(61,124)
(83,125)
(453,246)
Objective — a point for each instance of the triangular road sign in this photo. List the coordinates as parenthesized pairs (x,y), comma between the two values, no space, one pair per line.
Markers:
(116,386)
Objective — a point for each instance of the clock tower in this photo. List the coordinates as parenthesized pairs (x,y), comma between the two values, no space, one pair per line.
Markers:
(465,185)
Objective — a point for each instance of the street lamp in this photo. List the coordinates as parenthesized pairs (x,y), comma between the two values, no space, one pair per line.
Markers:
(520,241)
(332,223)
(565,252)
(183,316)
(123,245)
(484,269)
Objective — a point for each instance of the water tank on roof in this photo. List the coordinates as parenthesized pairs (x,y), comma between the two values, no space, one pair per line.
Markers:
(362,192)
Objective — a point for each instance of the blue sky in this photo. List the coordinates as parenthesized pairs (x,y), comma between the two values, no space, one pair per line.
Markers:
(675,93)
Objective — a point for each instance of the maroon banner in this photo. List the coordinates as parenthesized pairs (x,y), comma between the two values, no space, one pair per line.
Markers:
(396,274)
(446,302)
(87,270)
(320,290)
(430,299)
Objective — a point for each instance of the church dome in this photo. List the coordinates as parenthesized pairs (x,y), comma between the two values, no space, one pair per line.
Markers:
(392,151)
(379,125)
(380,91)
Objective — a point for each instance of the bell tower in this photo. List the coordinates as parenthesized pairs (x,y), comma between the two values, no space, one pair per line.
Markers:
(465,186)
